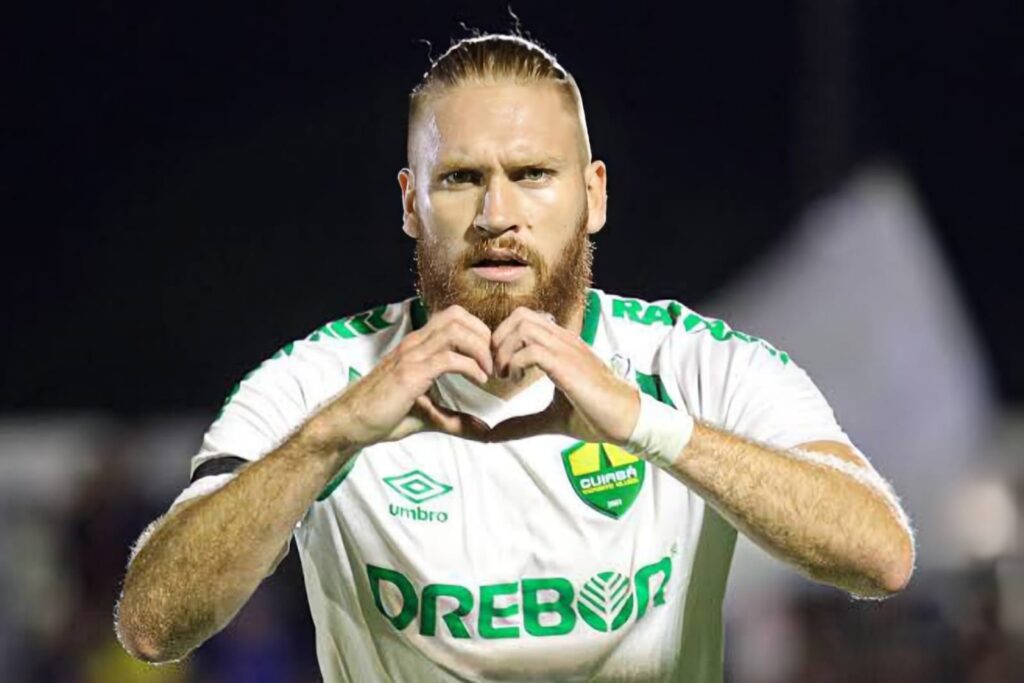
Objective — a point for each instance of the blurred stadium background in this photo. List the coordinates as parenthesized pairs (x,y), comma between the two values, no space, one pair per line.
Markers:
(190,187)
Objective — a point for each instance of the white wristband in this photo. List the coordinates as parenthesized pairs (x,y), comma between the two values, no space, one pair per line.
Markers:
(661,432)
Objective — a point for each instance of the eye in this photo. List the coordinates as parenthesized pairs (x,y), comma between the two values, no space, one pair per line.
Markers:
(460,177)
(535,174)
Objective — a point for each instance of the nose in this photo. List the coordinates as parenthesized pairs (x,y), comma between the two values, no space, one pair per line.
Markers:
(498,212)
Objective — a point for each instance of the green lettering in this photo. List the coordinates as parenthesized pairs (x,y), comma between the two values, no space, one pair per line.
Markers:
(453,619)
(643,584)
(409,601)
(488,611)
(626,308)
(718,329)
(606,601)
(691,321)
(562,606)
(657,314)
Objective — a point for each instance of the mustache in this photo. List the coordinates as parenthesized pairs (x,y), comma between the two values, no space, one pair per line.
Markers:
(482,250)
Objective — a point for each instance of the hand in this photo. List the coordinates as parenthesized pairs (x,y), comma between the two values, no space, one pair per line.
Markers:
(591,403)
(392,401)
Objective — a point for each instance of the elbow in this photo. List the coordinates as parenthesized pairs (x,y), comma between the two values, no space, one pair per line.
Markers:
(148,649)
(899,568)
(140,641)
(892,569)
(143,649)
(139,645)
(877,574)
(894,555)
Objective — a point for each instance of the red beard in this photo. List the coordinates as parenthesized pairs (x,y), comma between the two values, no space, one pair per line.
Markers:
(559,290)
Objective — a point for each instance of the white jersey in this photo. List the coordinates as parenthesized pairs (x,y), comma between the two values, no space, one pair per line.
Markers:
(544,559)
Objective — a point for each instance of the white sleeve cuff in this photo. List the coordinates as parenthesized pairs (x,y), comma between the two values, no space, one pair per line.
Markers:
(203,486)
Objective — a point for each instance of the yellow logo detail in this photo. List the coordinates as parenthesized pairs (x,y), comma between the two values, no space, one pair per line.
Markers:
(618,456)
(587,458)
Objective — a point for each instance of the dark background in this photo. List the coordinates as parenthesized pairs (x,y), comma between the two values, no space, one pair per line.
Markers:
(191,186)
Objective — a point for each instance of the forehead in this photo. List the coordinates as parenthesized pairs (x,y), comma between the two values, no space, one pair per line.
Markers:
(479,121)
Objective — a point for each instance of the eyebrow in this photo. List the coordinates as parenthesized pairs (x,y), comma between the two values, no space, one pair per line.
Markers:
(518,161)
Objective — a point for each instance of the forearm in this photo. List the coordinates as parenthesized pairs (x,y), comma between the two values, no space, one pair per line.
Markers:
(204,561)
(833,525)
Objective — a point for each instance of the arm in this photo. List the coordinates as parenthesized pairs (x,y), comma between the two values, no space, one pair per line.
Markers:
(830,516)
(821,508)
(205,559)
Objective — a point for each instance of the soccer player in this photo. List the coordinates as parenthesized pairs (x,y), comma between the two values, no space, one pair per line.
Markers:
(511,476)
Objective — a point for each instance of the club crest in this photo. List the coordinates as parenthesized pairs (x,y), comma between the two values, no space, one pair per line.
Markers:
(604,476)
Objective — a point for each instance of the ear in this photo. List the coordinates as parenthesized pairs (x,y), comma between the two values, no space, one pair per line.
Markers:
(410,221)
(596,177)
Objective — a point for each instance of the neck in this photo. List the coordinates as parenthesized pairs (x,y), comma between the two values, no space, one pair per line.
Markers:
(506,388)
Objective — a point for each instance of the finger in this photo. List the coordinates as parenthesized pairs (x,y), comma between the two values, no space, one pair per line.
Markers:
(453,361)
(461,337)
(509,324)
(528,333)
(456,312)
(474,323)
(468,340)
(526,358)
(438,418)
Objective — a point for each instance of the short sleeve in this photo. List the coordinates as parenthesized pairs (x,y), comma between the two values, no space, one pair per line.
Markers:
(745,385)
(263,410)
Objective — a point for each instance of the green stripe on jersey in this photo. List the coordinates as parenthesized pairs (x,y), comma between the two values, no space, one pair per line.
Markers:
(702,651)
(591,317)
(353,375)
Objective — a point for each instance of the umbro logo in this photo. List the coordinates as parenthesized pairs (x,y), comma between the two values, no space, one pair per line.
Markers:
(417,487)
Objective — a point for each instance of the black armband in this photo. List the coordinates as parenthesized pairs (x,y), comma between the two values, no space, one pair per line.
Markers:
(223,465)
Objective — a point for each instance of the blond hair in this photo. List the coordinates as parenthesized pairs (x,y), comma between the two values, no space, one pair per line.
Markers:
(494,58)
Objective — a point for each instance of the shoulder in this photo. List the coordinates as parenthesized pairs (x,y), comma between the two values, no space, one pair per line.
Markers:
(630,322)
(676,338)
(333,354)
(359,339)
(729,377)
(657,318)
(708,337)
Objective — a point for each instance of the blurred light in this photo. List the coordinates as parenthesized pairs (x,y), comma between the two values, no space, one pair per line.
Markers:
(984,519)
(862,297)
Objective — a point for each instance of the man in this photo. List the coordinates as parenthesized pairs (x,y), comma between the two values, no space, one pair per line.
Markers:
(511,476)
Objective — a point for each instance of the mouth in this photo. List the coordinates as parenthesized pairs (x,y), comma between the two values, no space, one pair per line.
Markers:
(500,257)
(500,266)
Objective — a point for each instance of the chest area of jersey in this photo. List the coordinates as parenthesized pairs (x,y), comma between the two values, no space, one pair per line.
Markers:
(429,482)
(535,500)
(461,541)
